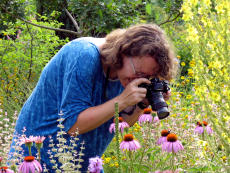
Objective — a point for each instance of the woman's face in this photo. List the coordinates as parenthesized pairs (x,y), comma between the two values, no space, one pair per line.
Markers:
(137,67)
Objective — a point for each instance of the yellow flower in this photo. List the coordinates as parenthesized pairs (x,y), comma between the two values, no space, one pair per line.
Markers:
(182,77)
(183,109)
(183,83)
(116,164)
(111,165)
(173,115)
(188,96)
(191,73)
(107,160)
(183,64)
(224,158)
(178,57)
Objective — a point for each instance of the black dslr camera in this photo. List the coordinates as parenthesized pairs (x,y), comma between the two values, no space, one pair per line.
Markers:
(155,97)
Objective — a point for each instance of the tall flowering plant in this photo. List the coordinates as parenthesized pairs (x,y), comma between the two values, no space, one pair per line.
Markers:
(207,27)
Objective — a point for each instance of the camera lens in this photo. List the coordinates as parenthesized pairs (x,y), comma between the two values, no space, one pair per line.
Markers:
(162,113)
(159,105)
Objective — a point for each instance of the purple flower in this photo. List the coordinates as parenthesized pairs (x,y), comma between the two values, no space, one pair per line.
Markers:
(172,144)
(95,165)
(209,130)
(30,165)
(163,138)
(129,143)
(121,126)
(145,118)
(5,170)
(200,129)
(156,119)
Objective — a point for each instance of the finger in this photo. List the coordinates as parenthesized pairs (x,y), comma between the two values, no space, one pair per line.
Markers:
(142,90)
(139,81)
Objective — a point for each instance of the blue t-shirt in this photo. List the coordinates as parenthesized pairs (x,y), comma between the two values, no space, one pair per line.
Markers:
(71,82)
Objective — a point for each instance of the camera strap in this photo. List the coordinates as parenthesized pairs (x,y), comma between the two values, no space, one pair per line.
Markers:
(104,95)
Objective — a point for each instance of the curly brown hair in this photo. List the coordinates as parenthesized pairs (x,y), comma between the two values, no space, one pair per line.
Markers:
(140,40)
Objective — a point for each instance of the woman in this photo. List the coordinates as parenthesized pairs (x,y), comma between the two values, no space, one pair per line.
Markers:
(86,78)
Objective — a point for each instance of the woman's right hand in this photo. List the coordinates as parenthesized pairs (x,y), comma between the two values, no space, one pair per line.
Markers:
(133,94)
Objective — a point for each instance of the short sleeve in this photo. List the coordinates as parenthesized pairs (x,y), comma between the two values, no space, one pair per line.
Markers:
(81,65)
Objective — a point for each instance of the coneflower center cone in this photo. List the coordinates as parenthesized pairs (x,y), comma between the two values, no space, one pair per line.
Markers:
(171,137)
(165,132)
(199,124)
(4,168)
(147,110)
(120,119)
(128,137)
(205,123)
(29,158)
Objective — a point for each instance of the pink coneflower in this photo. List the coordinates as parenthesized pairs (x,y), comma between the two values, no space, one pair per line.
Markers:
(172,144)
(129,143)
(30,165)
(5,170)
(156,119)
(163,138)
(200,129)
(146,116)
(95,165)
(121,126)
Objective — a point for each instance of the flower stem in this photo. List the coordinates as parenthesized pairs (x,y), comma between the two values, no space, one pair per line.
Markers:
(30,151)
(131,160)
(117,136)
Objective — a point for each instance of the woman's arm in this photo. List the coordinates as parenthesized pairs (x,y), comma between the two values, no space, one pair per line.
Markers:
(93,117)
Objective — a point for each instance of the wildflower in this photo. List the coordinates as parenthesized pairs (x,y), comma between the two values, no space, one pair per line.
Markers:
(163,138)
(39,144)
(156,119)
(19,32)
(172,144)
(95,165)
(129,143)
(146,116)
(39,140)
(28,142)
(30,165)
(5,170)
(183,64)
(25,140)
(200,129)
(107,160)
(121,126)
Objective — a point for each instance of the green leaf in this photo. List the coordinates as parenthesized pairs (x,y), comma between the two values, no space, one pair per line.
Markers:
(148,9)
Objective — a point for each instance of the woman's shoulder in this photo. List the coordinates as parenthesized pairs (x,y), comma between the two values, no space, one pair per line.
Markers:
(87,42)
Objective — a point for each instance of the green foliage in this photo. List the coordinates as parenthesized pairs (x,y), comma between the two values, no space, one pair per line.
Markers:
(22,60)
(16,7)
(97,18)
(161,12)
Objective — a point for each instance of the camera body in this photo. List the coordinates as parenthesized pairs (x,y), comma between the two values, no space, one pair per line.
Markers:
(155,97)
